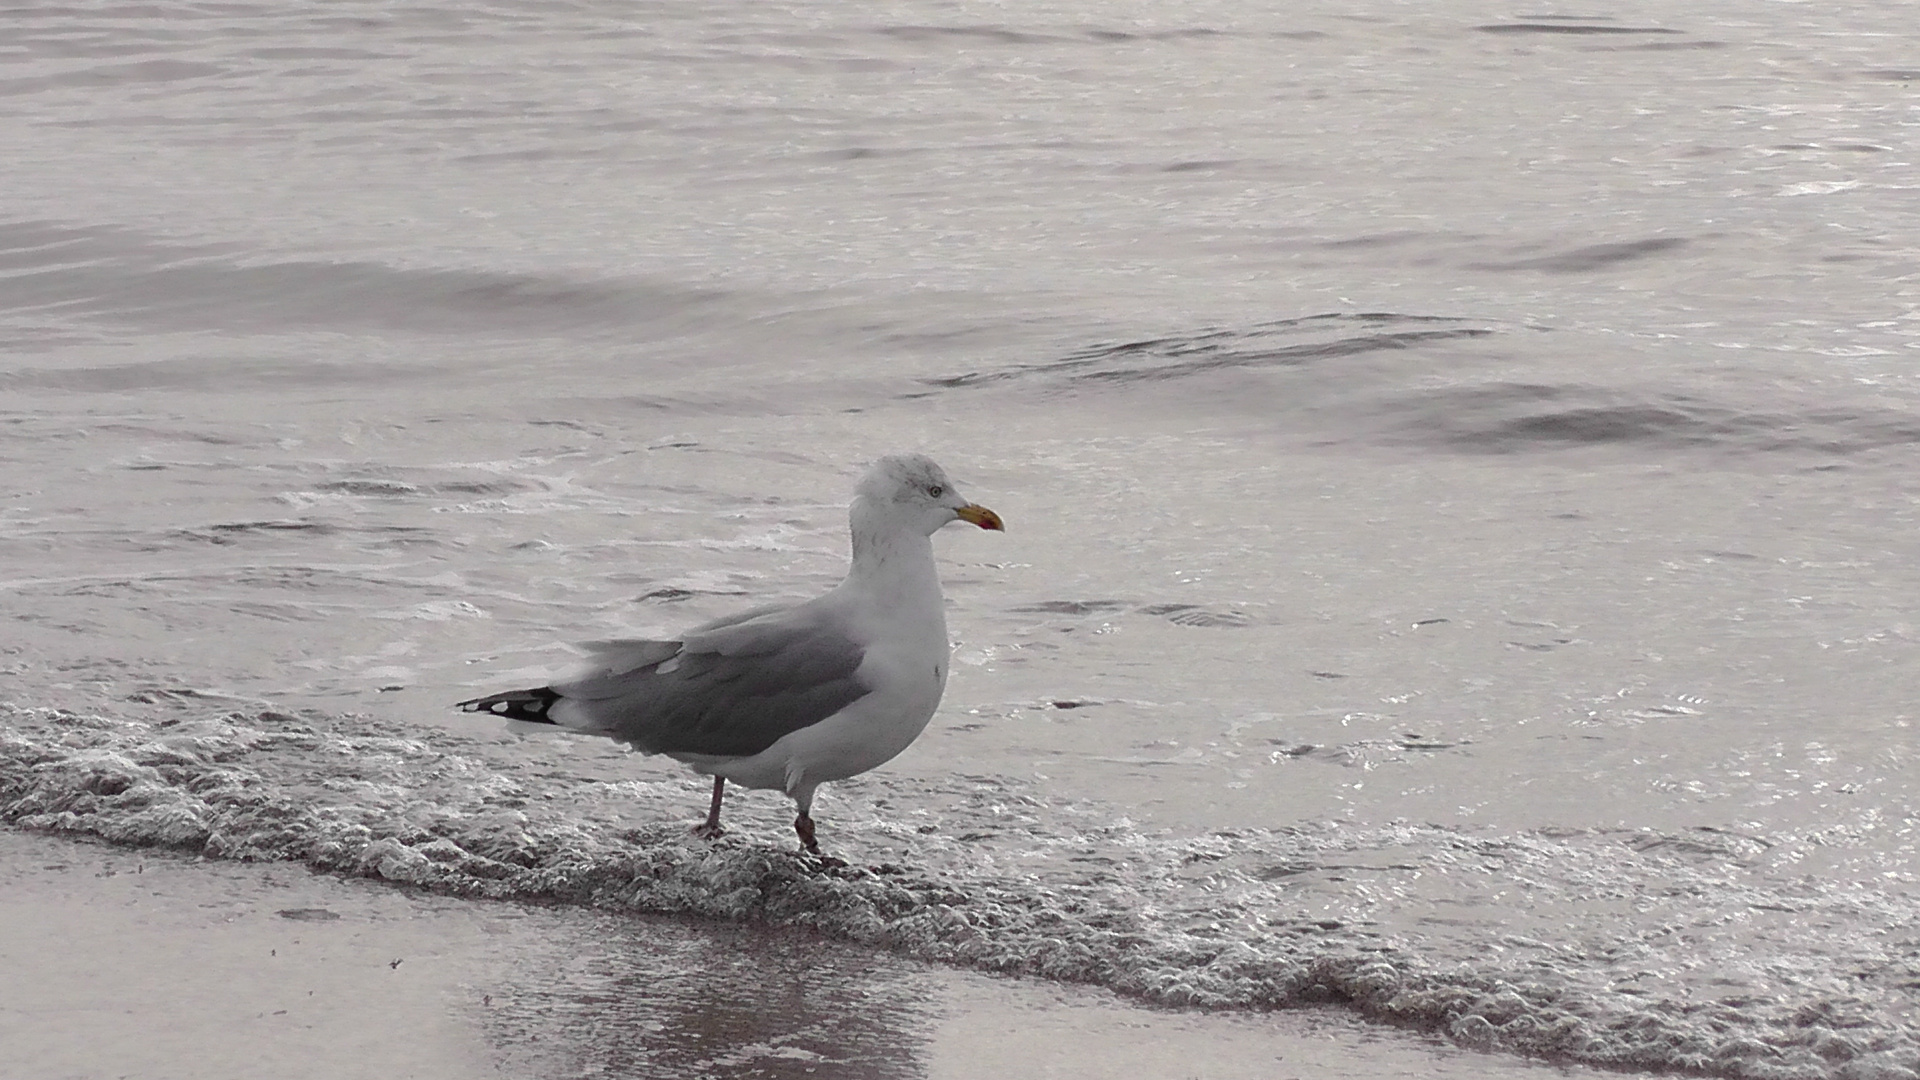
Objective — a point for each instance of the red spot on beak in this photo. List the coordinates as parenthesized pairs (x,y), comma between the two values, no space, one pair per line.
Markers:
(981,516)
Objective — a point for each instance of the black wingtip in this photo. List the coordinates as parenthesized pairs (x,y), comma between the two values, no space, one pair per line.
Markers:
(529,705)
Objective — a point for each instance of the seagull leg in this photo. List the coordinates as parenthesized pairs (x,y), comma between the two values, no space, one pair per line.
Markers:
(804,826)
(710,828)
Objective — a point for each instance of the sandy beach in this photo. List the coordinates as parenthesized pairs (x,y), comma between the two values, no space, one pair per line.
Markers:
(151,966)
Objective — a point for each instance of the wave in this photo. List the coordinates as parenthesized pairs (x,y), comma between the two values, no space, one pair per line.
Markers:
(1293,342)
(1001,35)
(1570,24)
(1639,950)
(216,374)
(121,276)
(1591,258)
(1418,389)
(1505,418)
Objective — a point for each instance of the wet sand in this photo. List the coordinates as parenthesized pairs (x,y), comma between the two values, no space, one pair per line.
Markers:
(144,964)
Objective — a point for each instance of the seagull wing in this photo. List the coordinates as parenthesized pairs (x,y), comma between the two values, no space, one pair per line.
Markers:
(730,688)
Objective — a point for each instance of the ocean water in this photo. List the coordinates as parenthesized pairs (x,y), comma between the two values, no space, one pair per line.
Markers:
(1458,463)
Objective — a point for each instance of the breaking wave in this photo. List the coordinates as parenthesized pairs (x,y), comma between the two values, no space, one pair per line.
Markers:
(1634,949)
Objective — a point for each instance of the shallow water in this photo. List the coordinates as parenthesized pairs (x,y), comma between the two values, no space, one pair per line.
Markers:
(1458,465)
(151,964)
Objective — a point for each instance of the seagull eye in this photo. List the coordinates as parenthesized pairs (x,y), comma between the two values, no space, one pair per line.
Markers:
(936,490)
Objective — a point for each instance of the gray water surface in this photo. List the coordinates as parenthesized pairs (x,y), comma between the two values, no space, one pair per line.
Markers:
(1458,464)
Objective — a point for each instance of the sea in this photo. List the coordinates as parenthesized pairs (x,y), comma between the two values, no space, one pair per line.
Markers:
(1458,459)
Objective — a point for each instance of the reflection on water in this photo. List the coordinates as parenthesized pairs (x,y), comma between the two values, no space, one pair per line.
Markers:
(657,998)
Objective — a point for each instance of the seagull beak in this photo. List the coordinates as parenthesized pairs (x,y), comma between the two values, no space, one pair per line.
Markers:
(981,516)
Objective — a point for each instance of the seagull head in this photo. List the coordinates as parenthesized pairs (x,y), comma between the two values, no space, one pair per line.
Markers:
(912,491)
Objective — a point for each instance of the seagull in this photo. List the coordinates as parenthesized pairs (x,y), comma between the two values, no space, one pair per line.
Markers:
(787,696)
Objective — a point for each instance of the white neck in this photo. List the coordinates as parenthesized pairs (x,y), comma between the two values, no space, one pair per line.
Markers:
(894,566)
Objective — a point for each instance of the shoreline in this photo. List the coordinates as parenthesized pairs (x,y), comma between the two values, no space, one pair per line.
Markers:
(148,964)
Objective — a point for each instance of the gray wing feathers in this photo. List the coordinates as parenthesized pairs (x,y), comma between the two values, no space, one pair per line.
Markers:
(730,689)
(610,659)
